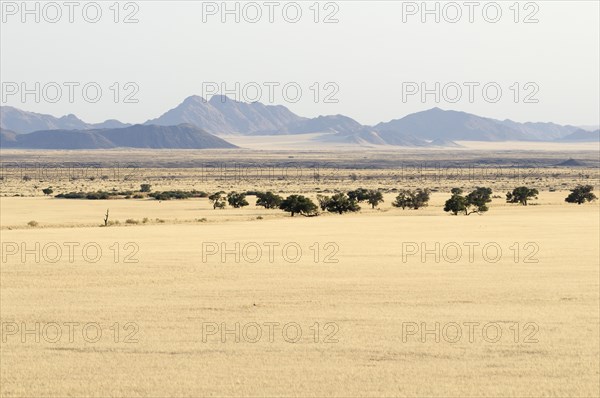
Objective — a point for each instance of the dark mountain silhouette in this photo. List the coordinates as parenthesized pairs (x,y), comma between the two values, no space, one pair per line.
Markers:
(183,136)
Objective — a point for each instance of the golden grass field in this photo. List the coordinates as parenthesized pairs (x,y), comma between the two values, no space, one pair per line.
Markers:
(172,297)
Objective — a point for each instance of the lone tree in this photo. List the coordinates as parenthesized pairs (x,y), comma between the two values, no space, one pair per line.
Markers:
(218,200)
(145,188)
(268,200)
(47,191)
(580,194)
(374,198)
(341,203)
(237,200)
(476,200)
(412,199)
(521,195)
(298,204)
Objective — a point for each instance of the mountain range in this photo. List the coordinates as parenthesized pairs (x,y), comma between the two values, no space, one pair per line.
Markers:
(183,136)
(196,122)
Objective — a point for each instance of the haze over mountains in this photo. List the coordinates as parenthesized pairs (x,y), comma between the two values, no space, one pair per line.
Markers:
(193,123)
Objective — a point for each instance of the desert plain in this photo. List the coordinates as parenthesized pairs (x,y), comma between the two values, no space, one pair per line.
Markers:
(185,300)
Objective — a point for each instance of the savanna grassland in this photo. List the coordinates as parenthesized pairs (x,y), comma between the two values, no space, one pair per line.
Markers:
(187,300)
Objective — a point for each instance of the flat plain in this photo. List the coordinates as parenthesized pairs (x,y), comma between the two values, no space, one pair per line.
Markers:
(253,302)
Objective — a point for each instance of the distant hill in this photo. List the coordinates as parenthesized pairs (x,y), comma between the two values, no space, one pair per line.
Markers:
(22,122)
(436,123)
(583,136)
(222,115)
(571,163)
(183,136)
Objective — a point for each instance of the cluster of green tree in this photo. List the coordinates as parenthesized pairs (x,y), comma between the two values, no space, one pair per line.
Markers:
(474,202)
(371,196)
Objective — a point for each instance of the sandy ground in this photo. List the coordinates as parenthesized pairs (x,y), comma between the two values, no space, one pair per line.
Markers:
(340,310)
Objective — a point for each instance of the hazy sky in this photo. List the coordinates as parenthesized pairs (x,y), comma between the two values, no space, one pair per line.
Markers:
(374,55)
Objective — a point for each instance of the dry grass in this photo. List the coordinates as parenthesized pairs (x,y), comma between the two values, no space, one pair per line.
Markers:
(369,293)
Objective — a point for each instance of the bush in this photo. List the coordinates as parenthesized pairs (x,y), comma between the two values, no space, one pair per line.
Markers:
(97,195)
(47,191)
(168,195)
(131,221)
(145,187)
(33,223)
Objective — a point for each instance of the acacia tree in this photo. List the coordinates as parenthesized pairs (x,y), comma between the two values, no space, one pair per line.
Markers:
(521,195)
(457,203)
(218,200)
(412,199)
(374,198)
(268,200)
(580,194)
(403,199)
(237,200)
(299,204)
(323,200)
(476,201)
(341,203)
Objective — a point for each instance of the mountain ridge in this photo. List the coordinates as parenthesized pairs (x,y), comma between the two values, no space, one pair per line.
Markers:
(183,136)
(224,116)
